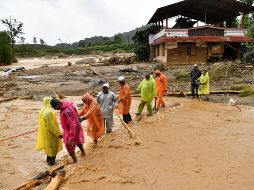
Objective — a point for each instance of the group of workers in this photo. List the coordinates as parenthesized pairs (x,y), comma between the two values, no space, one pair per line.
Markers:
(98,114)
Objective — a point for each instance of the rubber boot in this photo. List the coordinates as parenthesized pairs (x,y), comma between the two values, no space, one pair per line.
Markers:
(74,158)
(48,159)
(52,161)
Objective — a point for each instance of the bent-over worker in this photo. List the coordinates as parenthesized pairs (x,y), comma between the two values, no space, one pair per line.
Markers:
(92,113)
(73,132)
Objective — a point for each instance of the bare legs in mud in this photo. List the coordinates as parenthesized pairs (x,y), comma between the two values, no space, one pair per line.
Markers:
(73,154)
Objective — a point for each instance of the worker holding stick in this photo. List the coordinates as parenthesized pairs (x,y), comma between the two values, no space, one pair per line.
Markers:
(73,132)
(92,113)
(148,92)
(124,100)
(49,135)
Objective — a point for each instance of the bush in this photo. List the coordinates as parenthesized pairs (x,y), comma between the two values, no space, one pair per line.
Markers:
(237,87)
(6,55)
(246,92)
(248,57)
(182,75)
(217,72)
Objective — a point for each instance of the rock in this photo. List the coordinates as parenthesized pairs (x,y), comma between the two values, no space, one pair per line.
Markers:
(159,66)
(62,55)
(129,69)
(128,60)
(89,60)
(69,63)
(237,61)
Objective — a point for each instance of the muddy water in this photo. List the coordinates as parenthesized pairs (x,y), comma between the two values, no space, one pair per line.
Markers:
(18,160)
(199,145)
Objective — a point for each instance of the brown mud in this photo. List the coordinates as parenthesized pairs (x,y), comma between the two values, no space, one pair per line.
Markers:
(198,145)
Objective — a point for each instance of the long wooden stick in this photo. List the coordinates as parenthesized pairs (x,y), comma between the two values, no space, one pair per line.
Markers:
(9,99)
(126,126)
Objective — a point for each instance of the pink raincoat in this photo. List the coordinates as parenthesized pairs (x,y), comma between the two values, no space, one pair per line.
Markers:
(73,132)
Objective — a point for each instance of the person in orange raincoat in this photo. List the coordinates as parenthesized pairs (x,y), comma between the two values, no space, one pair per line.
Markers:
(92,113)
(124,98)
(161,86)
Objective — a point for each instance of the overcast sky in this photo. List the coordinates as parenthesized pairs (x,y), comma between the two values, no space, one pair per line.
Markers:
(73,20)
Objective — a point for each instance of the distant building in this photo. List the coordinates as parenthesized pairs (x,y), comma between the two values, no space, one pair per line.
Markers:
(186,44)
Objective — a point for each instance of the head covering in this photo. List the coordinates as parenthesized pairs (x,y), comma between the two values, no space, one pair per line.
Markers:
(105,85)
(46,102)
(157,72)
(87,98)
(121,78)
(195,65)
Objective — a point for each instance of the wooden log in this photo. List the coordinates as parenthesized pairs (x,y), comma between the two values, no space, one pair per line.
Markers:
(42,175)
(9,99)
(130,132)
(32,184)
(56,181)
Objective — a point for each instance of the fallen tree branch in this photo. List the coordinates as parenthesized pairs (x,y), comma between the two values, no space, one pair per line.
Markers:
(9,99)
(56,181)
(34,181)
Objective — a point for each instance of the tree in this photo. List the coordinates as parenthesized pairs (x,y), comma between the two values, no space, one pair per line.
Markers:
(22,39)
(34,40)
(6,55)
(42,42)
(141,43)
(14,29)
(118,38)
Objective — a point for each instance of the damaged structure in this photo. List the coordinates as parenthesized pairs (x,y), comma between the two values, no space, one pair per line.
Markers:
(185,44)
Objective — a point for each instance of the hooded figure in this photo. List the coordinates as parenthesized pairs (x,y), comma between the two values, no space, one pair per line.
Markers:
(49,134)
(124,98)
(92,113)
(73,132)
(148,92)
(107,101)
(204,88)
(161,86)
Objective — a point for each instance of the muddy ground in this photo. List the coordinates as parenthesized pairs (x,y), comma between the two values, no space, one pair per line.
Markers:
(44,76)
(198,145)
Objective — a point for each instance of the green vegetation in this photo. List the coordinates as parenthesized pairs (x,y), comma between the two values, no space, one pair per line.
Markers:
(5,49)
(14,30)
(141,44)
(219,71)
(37,50)
(237,87)
(246,92)
(182,75)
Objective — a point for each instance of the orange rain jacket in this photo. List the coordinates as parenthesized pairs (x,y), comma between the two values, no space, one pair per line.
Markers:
(161,84)
(92,112)
(125,96)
